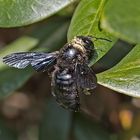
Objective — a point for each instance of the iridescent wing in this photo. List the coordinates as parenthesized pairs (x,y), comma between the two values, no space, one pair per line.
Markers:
(85,78)
(40,61)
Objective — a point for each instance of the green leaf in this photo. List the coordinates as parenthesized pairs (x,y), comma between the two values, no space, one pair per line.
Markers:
(85,129)
(86,21)
(125,76)
(122,19)
(18,13)
(6,133)
(11,78)
(118,51)
(56,122)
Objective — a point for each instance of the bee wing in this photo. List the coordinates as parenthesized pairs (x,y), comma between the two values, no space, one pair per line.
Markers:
(85,78)
(38,60)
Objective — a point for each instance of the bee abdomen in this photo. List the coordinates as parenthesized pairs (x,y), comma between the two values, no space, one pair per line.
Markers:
(70,101)
(64,80)
(65,90)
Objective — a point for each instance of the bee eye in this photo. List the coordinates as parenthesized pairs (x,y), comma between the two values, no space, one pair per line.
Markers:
(87,42)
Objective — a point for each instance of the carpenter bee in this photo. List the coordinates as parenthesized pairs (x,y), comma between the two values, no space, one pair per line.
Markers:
(71,75)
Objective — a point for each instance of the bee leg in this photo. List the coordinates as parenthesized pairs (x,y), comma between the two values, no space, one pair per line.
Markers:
(53,75)
(50,71)
(87,91)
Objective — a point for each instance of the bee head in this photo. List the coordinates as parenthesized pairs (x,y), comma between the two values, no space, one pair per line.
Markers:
(87,41)
(88,44)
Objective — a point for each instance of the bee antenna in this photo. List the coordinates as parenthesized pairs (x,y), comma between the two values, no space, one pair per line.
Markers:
(100,38)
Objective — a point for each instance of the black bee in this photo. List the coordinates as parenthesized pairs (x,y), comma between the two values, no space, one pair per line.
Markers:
(71,75)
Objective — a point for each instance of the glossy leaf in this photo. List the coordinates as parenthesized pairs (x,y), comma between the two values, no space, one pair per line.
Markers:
(122,19)
(85,129)
(118,51)
(11,78)
(125,76)
(56,122)
(86,21)
(18,13)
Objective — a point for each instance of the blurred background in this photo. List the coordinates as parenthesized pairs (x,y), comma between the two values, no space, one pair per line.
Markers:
(31,113)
